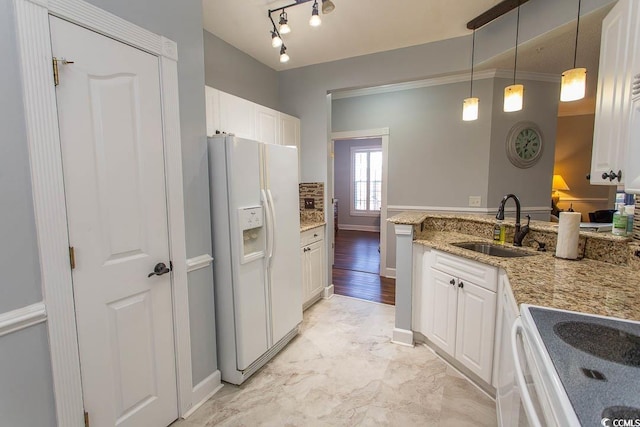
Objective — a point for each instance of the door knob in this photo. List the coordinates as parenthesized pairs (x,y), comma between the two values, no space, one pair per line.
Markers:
(159,270)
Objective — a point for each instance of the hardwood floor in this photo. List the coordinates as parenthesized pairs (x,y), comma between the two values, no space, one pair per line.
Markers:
(356,266)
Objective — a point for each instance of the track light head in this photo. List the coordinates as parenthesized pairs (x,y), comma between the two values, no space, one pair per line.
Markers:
(284,25)
(327,6)
(276,41)
(283,54)
(315,20)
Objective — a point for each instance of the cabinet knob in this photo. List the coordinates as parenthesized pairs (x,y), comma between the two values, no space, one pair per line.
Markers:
(315,235)
(461,285)
(453,282)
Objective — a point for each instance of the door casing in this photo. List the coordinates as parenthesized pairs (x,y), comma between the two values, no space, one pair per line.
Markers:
(35,57)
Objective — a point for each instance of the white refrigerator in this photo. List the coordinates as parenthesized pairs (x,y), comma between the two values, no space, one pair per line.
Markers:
(255,221)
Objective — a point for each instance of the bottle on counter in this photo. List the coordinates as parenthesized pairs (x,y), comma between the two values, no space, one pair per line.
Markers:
(499,232)
(619,221)
(630,211)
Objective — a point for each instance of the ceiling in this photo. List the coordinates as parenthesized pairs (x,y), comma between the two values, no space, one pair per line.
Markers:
(356,27)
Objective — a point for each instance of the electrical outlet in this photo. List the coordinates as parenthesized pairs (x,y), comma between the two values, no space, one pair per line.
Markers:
(309,203)
(475,201)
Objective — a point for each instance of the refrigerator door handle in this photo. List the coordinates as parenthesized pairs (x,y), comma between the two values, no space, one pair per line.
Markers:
(269,225)
(273,223)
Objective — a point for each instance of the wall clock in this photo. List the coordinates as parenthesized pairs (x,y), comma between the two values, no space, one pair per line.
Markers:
(524,144)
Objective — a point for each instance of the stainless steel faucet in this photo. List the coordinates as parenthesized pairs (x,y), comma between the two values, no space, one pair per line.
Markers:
(520,233)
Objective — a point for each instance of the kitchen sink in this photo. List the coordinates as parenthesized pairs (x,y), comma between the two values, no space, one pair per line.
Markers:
(491,249)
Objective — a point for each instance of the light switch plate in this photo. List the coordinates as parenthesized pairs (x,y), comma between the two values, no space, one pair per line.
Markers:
(309,203)
(475,201)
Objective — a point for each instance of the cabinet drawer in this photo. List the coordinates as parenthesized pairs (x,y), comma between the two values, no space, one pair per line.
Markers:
(465,269)
(310,236)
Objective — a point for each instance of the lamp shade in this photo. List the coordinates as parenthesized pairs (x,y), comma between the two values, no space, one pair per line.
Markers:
(470,109)
(574,82)
(559,184)
(513,96)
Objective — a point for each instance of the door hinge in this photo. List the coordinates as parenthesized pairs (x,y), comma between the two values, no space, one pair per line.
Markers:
(86,419)
(56,75)
(72,257)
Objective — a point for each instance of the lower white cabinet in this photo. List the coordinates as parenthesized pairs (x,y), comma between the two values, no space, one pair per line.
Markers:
(313,265)
(457,309)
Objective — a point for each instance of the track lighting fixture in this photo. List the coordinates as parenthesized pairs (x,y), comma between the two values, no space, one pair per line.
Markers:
(315,20)
(283,23)
(283,54)
(327,6)
(574,81)
(276,41)
(514,94)
(470,105)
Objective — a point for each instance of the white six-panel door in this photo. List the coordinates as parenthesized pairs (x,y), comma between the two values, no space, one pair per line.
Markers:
(112,141)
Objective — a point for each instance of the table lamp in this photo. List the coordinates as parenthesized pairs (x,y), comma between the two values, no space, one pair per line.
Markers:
(559,184)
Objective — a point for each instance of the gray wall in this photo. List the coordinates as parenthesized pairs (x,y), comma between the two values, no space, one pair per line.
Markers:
(532,185)
(26,385)
(24,356)
(342,183)
(233,71)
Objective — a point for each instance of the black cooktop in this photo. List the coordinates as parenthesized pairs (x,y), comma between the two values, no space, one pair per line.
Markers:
(597,361)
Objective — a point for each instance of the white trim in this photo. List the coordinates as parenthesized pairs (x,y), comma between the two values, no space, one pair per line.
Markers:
(196,263)
(355,227)
(455,209)
(390,273)
(443,80)
(402,337)
(328,292)
(21,318)
(203,391)
(34,48)
(382,133)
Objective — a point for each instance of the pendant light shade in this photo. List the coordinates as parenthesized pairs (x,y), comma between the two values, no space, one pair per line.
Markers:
(327,6)
(514,94)
(470,109)
(574,83)
(513,98)
(276,41)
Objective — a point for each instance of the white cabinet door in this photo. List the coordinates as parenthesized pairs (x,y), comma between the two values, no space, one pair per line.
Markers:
(237,116)
(306,276)
(267,125)
(212,108)
(315,255)
(441,311)
(632,169)
(613,96)
(289,130)
(476,328)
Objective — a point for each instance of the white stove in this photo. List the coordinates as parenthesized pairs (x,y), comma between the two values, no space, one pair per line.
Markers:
(577,369)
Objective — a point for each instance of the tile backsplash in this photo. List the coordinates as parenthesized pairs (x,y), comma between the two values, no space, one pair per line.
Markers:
(313,192)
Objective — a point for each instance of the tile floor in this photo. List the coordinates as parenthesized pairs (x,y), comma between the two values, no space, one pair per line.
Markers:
(343,370)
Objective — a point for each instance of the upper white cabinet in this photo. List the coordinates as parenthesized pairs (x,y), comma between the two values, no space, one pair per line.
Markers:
(613,102)
(227,113)
(632,165)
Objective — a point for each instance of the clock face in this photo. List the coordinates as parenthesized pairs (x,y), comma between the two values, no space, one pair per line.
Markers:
(524,144)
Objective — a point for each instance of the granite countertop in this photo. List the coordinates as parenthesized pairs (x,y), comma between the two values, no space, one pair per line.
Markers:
(586,286)
(309,225)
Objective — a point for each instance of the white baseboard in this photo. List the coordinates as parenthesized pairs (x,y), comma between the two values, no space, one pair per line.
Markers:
(203,391)
(402,337)
(390,273)
(328,292)
(355,227)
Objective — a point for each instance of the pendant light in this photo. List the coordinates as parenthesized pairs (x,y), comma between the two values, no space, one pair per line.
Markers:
(283,54)
(470,105)
(315,20)
(574,81)
(514,94)
(284,24)
(276,41)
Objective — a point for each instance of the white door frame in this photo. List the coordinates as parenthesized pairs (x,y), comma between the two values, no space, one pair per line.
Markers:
(383,134)
(43,140)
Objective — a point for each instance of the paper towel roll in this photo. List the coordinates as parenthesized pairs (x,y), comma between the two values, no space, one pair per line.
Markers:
(568,235)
